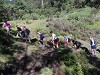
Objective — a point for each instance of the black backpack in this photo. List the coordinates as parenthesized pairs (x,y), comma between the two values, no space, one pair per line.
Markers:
(28,31)
(57,39)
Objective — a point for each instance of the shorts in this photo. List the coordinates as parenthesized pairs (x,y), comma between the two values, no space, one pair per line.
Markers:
(41,38)
(93,47)
(67,43)
(56,42)
(7,28)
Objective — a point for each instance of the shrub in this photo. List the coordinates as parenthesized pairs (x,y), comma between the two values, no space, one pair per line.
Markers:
(35,16)
(46,71)
(42,17)
(85,12)
(26,16)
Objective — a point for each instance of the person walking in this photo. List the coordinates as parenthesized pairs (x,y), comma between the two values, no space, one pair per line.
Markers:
(8,27)
(55,40)
(41,36)
(93,45)
(27,34)
(19,31)
(66,40)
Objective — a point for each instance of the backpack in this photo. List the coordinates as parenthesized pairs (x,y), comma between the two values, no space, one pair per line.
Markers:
(8,25)
(69,40)
(91,43)
(28,31)
(41,35)
(57,39)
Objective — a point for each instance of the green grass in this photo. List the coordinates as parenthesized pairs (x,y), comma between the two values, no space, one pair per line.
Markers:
(33,25)
(96,25)
(5,58)
(80,13)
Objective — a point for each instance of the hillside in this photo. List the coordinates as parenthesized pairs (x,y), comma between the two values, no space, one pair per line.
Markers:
(77,19)
(34,59)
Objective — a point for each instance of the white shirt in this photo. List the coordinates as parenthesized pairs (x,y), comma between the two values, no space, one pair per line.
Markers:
(93,43)
(4,24)
(54,36)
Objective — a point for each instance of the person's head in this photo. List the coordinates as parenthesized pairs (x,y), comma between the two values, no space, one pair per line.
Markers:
(51,32)
(91,37)
(73,41)
(38,32)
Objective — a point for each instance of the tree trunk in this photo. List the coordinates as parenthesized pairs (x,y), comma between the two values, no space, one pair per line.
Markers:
(42,3)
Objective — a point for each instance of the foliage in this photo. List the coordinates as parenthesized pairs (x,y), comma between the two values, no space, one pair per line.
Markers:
(73,16)
(17,8)
(81,13)
(46,71)
(2,11)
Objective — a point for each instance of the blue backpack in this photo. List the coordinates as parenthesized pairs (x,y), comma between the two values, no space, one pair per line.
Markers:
(42,35)
(28,31)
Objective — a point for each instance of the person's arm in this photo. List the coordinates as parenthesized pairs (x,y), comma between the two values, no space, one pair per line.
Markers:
(90,42)
(53,38)
(4,24)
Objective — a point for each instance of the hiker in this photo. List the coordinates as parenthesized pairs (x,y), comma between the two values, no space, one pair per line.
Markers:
(55,40)
(7,26)
(22,32)
(27,33)
(19,31)
(66,40)
(93,45)
(41,36)
(76,44)
(50,43)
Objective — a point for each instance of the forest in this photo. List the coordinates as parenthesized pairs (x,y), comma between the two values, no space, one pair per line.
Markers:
(40,9)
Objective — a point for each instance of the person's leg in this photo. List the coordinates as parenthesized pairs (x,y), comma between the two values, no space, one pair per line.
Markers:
(8,30)
(65,44)
(41,39)
(57,45)
(93,52)
(26,37)
(29,39)
(54,43)
(18,34)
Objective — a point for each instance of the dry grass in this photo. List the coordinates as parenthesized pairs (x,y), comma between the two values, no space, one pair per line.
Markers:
(33,25)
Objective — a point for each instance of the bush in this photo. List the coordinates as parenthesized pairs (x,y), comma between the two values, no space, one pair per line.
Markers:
(46,71)
(85,12)
(26,16)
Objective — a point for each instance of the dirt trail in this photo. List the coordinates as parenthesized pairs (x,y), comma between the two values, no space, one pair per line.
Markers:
(87,45)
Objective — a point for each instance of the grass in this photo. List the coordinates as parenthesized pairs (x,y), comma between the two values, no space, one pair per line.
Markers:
(33,25)
(96,25)
(4,58)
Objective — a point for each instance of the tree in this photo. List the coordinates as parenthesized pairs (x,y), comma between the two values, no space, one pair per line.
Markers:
(2,10)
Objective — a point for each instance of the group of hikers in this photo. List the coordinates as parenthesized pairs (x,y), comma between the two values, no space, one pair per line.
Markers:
(24,32)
